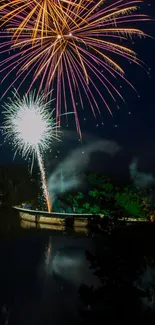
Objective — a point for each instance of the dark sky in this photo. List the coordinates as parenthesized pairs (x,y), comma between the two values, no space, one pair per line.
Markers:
(133,123)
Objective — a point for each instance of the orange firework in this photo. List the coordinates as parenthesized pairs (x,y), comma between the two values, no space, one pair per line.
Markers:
(40,11)
(77,48)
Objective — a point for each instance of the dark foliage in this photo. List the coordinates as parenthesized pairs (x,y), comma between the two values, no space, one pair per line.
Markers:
(119,260)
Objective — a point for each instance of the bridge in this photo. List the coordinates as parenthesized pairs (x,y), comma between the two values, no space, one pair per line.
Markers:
(61,218)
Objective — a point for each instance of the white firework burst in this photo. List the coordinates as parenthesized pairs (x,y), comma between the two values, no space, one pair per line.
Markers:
(30,127)
(29,124)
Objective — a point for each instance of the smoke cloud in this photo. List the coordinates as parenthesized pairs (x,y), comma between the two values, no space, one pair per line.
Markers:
(140,179)
(68,173)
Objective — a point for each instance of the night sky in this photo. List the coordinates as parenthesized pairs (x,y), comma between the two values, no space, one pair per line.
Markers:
(132,124)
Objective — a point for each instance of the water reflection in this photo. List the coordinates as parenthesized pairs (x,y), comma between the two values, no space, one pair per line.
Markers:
(63,268)
(40,274)
(28,224)
(68,262)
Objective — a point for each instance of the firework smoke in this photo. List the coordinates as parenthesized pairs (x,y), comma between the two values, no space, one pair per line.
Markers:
(71,167)
(140,179)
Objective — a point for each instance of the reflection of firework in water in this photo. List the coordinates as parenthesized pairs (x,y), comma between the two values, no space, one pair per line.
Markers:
(30,128)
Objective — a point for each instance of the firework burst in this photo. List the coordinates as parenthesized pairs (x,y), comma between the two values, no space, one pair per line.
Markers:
(76,53)
(30,127)
(40,11)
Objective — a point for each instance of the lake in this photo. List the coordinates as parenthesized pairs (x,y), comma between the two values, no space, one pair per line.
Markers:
(41,272)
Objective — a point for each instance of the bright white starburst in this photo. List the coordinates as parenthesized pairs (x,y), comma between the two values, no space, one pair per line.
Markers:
(29,124)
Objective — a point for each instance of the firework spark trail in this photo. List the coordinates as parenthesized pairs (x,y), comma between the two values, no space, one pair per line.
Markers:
(30,128)
(76,51)
(44,184)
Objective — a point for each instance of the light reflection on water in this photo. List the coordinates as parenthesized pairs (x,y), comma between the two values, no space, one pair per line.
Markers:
(68,262)
(42,272)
